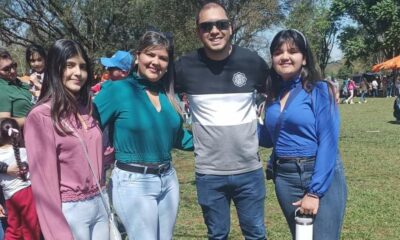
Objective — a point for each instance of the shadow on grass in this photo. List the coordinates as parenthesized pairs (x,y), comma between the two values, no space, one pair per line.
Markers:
(394,122)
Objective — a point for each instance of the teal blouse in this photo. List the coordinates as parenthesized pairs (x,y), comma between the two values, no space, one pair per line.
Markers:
(141,134)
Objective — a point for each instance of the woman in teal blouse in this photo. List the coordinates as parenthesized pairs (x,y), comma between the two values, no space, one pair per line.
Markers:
(146,124)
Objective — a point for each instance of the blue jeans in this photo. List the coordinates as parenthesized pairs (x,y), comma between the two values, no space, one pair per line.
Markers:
(87,219)
(362,97)
(1,231)
(247,190)
(291,180)
(388,92)
(147,204)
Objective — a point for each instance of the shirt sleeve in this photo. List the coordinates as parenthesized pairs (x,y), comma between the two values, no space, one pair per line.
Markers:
(43,165)
(327,130)
(262,81)
(264,138)
(105,107)
(184,140)
(178,81)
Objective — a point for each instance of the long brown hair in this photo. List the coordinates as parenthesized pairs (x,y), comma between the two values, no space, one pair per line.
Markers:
(63,103)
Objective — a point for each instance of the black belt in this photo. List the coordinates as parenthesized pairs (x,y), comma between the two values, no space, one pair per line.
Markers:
(294,159)
(157,170)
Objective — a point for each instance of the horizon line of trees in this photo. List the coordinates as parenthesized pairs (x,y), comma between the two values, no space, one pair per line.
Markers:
(104,26)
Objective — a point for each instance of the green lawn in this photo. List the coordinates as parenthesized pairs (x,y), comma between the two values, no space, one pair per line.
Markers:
(370,148)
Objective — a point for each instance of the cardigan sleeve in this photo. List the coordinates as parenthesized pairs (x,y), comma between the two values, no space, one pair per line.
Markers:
(327,130)
(43,164)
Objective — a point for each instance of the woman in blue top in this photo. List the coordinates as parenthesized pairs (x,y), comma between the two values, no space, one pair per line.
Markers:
(302,125)
(146,124)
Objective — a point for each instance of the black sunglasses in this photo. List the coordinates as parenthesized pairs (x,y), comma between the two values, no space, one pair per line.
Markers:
(8,68)
(220,24)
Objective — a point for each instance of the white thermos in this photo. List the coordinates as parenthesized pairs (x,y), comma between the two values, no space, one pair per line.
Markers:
(304,225)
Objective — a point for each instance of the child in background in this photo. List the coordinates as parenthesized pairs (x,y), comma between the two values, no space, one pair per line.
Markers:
(35,57)
(22,218)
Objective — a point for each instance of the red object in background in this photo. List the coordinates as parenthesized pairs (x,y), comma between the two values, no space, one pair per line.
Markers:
(104,77)
(96,88)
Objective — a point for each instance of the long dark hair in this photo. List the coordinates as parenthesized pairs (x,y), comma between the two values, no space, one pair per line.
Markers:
(155,39)
(64,103)
(32,49)
(309,73)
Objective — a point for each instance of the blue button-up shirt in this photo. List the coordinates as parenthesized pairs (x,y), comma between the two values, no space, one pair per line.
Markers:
(309,127)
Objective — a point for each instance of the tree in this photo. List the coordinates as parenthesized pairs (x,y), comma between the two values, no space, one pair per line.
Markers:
(314,19)
(376,35)
(104,26)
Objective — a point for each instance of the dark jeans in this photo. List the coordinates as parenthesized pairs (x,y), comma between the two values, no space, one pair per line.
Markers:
(291,180)
(247,191)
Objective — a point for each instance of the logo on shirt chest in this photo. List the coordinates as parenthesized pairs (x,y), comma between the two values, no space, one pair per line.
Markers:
(239,79)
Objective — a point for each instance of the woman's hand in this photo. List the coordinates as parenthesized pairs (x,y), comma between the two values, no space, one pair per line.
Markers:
(308,205)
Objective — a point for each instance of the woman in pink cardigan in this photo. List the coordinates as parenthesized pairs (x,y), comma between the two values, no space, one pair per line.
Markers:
(58,132)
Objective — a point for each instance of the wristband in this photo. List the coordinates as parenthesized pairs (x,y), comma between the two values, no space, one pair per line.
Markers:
(312,195)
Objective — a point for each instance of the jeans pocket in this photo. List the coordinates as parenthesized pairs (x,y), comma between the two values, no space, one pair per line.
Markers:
(123,177)
(306,172)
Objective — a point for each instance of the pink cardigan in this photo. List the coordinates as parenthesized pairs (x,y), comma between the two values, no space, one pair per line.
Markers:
(58,168)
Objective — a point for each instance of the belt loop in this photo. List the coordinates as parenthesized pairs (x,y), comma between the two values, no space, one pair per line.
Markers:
(145,170)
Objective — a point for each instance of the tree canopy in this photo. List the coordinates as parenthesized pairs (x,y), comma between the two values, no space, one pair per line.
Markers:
(314,19)
(376,36)
(104,26)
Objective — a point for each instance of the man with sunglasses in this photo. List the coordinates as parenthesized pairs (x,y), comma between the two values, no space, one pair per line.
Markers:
(221,81)
(15,98)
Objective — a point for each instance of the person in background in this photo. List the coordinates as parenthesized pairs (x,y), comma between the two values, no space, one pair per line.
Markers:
(397,85)
(335,83)
(146,123)
(344,90)
(302,125)
(15,97)
(22,220)
(35,57)
(389,86)
(374,86)
(61,139)
(221,81)
(118,67)
(363,90)
(351,87)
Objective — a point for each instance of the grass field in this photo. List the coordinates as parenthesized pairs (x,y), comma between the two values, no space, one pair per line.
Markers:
(370,147)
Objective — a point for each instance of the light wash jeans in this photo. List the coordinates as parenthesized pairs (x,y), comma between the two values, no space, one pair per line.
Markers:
(147,204)
(87,219)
